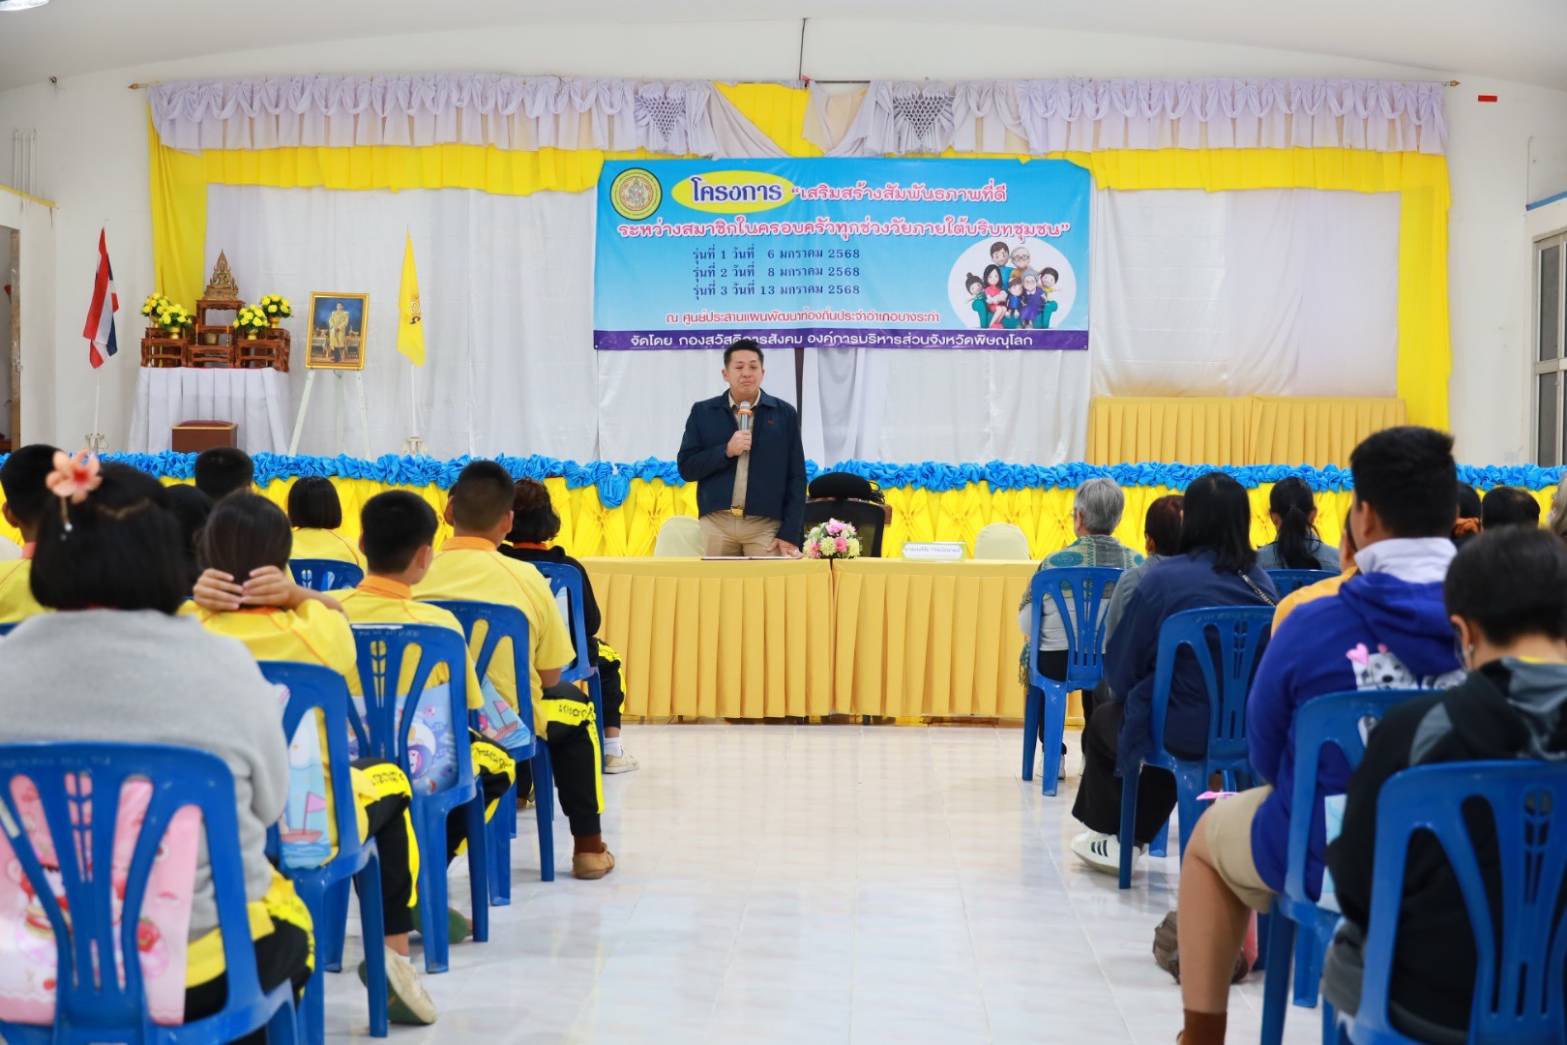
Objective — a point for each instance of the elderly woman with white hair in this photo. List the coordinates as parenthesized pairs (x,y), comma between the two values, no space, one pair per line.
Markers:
(1096,512)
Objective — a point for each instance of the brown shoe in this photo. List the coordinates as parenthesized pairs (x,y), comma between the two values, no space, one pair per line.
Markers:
(590,866)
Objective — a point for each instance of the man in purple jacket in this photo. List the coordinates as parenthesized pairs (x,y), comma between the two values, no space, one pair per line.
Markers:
(1386,629)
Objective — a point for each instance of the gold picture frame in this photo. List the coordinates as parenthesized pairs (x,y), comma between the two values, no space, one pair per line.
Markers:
(332,344)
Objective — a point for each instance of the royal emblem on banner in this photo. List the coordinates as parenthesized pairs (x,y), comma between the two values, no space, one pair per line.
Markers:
(635,193)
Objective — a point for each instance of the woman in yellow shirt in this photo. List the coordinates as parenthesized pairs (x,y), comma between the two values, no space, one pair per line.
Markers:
(246,594)
(316,514)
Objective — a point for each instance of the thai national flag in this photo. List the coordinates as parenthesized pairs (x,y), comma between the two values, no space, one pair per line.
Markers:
(99,328)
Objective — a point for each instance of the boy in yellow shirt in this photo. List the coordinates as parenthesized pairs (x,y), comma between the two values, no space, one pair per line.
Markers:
(26,498)
(247,536)
(469,567)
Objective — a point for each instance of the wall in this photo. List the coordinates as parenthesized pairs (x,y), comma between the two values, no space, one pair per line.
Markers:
(92,158)
(5,329)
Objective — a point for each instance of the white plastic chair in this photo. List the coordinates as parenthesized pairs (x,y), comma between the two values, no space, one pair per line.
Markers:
(679,537)
(1001,540)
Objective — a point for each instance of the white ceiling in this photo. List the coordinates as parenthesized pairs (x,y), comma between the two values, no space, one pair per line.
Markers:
(1518,40)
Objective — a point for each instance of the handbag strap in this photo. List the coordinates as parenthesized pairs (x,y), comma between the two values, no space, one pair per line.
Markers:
(1264,596)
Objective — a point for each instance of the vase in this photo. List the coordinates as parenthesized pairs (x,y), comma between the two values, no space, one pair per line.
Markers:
(273,321)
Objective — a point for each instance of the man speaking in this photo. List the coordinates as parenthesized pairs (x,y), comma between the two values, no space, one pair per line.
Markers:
(743,451)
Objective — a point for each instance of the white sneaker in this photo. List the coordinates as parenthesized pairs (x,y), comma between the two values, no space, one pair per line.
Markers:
(405,986)
(620,764)
(1103,852)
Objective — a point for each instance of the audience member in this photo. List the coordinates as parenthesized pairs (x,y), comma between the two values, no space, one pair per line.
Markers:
(1161,539)
(1508,506)
(1557,520)
(316,515)
(111,562)
(1468,524)
(533,531)
(223,470)
(245,593)
(1298,546)
(26,498)
(1506,593)
(1216,566)
(469,566)
(1328,585)
(191,507)
(1385,629)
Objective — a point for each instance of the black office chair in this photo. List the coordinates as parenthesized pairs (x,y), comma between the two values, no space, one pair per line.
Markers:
(867,517)
(844,486)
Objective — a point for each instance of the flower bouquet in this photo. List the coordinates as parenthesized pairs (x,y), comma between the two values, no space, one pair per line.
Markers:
(276,307)
(833,539)
(251,321)
(172,319)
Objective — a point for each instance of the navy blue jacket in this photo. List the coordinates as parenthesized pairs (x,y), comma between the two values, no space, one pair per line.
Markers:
(775,487)
(1181,582)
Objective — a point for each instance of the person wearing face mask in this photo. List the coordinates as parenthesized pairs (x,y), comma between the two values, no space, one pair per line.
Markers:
(743,450)
(1506,595)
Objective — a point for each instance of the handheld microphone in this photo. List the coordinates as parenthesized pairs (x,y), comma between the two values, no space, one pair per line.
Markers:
(743,416)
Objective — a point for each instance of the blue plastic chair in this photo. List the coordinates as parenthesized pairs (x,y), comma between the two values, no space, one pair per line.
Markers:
(1287,581)
(114,1009)
(508,622)
(1044,703)
(1332,719)
(381,649)
(6,629)
(313,688)
(325,574)
(564,577)
(1241,631)
(1518,995)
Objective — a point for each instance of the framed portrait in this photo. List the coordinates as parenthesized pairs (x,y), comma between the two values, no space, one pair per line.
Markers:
(337,331)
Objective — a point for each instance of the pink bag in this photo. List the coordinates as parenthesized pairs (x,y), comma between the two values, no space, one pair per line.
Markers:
(27,945)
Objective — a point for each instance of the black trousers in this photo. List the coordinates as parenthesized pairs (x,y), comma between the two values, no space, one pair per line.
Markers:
(281,955)
(574,759)
(492,785)
(1098,805)
(386,821)
(612,690)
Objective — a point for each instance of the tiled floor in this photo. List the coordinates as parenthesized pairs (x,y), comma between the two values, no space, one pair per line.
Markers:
(819,884)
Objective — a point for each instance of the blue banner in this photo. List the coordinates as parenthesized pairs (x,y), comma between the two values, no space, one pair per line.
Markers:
(842,253)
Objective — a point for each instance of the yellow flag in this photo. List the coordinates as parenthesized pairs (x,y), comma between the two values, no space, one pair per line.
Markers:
(410,321)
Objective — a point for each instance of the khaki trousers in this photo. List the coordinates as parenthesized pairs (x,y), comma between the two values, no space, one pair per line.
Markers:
(726,534)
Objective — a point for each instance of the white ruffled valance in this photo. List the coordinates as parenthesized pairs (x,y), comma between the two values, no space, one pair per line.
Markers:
(1041,116)
(508,112)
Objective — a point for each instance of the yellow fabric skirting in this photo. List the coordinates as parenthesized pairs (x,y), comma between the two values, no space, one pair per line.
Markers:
(719,640)
(928,639)
(1312,430)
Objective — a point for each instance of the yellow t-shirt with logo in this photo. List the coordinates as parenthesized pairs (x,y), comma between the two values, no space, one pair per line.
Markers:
(470,568)
(378,600)
(16,594)
(314,543)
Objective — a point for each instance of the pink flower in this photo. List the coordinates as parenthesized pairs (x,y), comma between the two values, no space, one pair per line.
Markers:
(74,476)
(834,527)
(842,545)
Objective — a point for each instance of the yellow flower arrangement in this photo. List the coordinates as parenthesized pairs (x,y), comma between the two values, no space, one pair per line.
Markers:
(252,319)
(163,313)
(276,305)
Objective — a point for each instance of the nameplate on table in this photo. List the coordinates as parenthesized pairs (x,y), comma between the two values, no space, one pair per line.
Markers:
(935,551)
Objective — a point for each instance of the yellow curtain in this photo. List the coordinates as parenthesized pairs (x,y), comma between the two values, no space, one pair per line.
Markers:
(1314,430)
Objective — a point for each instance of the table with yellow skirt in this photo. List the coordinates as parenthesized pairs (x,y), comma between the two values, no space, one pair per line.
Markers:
(808,638)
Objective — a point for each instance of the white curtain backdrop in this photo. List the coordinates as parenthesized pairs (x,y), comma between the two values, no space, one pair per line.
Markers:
(1270,292)
(34,295)
(1277,292)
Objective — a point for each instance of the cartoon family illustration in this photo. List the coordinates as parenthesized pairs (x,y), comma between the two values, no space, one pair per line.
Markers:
(1011,293)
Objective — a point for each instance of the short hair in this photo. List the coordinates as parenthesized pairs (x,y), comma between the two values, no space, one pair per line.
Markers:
(1217,518)
(745,344)
(1000,245)
(481,496)
(534,520)
(1050,270)
(121,551)
(1162,523)
(1508,506)
(313,504)
(1511,582)
(22,481)
(222,470)
(191,509)
(1407,474)
(1100,502)
(245,532)
(1468,502)
(396,524)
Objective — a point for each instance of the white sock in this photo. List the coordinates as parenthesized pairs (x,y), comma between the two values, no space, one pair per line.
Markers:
(612,747)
